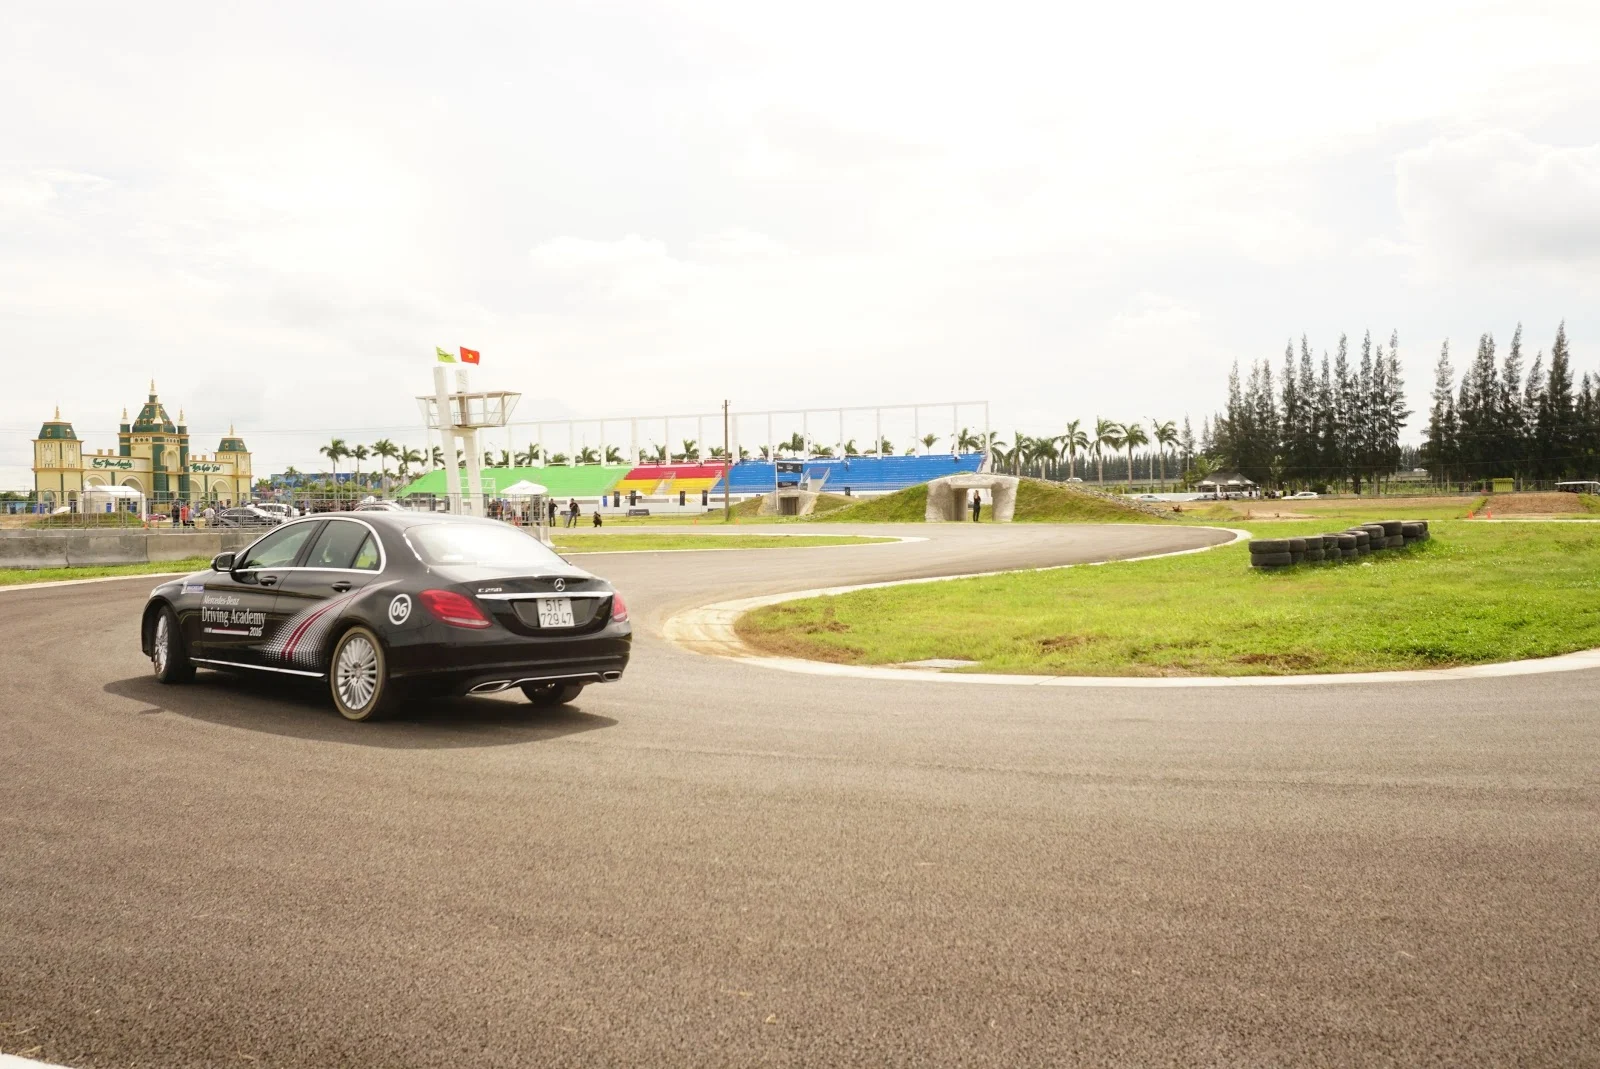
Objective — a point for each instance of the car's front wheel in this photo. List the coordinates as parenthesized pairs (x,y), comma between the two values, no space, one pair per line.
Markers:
(358,676)
(549,695)
(167,656)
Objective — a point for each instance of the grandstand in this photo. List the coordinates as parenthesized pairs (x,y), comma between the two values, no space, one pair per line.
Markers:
(858,475)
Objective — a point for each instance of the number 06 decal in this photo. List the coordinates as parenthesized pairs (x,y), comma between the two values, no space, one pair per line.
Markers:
(400,609)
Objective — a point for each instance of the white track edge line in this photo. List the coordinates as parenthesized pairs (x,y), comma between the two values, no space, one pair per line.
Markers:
(709,631)
(96,579)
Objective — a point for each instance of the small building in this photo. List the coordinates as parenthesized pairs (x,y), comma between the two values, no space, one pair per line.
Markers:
(152,457)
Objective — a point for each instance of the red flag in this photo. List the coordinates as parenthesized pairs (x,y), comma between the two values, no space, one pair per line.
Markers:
(469,356)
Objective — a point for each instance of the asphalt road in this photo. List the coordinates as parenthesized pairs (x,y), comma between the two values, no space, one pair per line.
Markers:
(715,864)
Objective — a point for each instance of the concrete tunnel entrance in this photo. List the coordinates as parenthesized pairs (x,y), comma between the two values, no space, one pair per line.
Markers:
(950,498)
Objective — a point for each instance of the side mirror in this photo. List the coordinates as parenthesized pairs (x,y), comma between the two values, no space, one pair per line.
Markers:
(222,562)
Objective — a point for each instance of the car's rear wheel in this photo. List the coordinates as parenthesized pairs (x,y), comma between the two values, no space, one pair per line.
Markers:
(167,656)
(358,676)
(549,695)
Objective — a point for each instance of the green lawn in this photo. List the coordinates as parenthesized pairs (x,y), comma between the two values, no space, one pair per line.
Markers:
(1476,593)
(1037,502)
(14,576)
(567,542)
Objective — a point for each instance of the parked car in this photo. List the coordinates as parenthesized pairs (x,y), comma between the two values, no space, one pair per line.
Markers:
(247,516)
(1147,497)
(1302,495)
(379,506)
(282,511)
(387,605)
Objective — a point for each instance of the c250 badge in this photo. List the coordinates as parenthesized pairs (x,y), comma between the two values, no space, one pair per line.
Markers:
(400,609)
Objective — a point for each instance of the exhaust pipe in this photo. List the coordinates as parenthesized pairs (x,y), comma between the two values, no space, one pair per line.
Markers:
(610,677)
(491,688)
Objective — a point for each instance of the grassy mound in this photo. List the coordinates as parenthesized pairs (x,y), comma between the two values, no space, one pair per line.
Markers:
(1037,502)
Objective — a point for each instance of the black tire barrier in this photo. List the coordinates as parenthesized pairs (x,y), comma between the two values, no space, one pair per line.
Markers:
(1363,541)
(1415,530)
(1271,560)
(1313,555)
(1269,545)
(1336,545)
(1347,546)
(1377,537)
(1397,541)
(1390,527)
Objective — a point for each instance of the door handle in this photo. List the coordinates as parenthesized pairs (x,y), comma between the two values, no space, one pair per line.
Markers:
(341,586)
(268,580)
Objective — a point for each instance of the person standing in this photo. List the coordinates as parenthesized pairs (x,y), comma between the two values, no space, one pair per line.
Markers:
(552,503)
(977,505)
(572,512)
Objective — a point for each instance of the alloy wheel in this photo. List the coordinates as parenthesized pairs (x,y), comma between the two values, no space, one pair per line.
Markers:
(356,674)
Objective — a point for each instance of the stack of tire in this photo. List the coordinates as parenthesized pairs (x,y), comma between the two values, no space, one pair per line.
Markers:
(1269,553)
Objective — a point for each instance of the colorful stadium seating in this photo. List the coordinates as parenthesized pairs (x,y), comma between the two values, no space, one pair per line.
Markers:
(858,474)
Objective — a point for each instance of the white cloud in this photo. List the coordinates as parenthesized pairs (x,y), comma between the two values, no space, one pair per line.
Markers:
(1497,197)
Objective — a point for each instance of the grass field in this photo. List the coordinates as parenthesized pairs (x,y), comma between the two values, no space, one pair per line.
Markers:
(617,543)
(15,576)
(1478,592)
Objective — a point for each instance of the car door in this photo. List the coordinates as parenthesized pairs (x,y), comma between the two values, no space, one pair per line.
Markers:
(345,556)
(239,615)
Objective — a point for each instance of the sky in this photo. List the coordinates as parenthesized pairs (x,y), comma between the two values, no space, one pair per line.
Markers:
(278,211)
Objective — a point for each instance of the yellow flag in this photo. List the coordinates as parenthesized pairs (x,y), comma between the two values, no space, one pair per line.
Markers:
(444,357)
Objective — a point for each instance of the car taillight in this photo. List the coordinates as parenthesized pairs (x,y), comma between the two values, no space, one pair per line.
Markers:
(619,609)
(457,610)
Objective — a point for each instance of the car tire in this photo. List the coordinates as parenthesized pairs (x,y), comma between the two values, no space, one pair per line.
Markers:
(550,695)
(1271,560)
(168,656)
(358,676)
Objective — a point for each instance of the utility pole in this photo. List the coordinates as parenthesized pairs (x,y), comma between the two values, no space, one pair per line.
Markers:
(727,468)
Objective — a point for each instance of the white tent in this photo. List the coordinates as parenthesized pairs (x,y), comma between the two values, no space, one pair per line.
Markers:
(109,498)
(524,489)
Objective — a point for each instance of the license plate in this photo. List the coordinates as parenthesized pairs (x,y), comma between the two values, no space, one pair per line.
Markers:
(555,612)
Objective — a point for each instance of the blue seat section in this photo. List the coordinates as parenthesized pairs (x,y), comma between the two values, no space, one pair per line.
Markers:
(870,474)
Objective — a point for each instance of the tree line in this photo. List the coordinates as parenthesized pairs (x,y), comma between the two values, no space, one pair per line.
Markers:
(1496,423)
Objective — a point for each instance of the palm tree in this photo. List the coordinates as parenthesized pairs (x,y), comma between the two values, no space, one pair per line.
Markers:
(1073,442)
(408,459)
(884,447)
(796,444)
(928,440)
(1132,436)
(613,455)
(1166,436)
(488,458)
(588,455)
(335,451)
(436,457)
(385,451)
(689,445)
(850,449)
(558,459)
(1105,436)
(360,453)
(967,442)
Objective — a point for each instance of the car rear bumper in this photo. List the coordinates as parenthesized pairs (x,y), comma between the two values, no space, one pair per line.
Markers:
(487,667)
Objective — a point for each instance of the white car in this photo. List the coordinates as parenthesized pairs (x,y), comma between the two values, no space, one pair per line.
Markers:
(288,512)
(1147,497)
(380,506)
(1302,495)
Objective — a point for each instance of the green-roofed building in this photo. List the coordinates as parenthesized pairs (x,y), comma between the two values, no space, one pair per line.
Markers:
(589,480)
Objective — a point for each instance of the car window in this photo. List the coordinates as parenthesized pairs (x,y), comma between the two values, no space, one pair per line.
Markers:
(337,545)
(471,543)
(277,550)
(367,557)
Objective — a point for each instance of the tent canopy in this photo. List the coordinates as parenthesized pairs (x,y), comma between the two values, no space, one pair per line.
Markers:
(525,488)
(113,491)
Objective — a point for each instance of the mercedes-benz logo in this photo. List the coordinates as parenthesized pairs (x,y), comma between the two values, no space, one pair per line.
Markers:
(561,584)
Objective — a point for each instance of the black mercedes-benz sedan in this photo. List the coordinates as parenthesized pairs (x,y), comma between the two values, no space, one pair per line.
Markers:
(388,606)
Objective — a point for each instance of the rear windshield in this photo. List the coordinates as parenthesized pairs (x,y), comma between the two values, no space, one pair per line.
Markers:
(487,544)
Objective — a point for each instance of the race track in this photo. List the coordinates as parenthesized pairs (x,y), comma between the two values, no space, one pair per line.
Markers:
(712,863)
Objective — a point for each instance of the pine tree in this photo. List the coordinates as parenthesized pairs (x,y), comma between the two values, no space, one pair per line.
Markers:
(1345,408)
(1556,421)
(1439,452)
(1509,430)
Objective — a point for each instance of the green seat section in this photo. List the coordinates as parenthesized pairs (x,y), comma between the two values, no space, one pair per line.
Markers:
(588,481)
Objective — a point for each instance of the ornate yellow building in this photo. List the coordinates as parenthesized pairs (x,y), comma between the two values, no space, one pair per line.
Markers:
(152,456)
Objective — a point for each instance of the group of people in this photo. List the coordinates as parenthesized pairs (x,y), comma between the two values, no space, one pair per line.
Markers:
(184,516)
(512,512)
